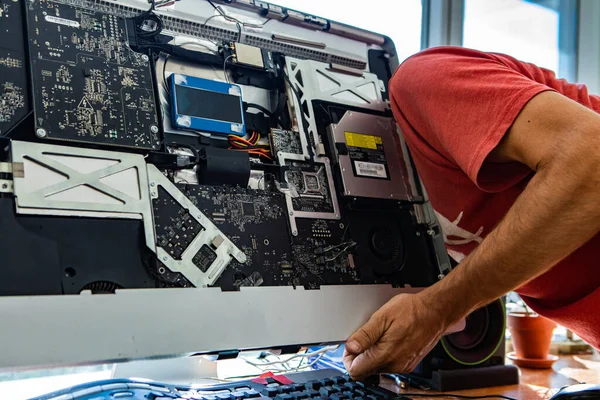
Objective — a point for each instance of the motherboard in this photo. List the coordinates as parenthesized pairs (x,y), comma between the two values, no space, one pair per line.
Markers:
(277,204)
(91,87)
(14,102)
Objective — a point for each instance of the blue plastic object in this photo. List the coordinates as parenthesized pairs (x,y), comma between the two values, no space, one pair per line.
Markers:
(208,106)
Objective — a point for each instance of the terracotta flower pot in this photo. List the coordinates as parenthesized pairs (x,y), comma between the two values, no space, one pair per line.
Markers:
(531,335)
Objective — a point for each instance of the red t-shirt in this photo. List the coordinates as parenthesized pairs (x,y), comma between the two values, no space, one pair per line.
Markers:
(454,105)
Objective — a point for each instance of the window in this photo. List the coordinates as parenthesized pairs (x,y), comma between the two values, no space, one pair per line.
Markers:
(401,21)
(525,29)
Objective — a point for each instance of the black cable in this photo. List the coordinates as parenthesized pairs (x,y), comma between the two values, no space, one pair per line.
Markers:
(148,16)
(213,4)
(265,111)
(458,396)
(164,72)
(260,108)
(189,147)
(300,111)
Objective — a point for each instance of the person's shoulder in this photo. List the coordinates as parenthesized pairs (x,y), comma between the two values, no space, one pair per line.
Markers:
(442,65)
(436,60)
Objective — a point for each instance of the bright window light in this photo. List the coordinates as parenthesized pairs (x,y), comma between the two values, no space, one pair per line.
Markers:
(400,20)
(519,28)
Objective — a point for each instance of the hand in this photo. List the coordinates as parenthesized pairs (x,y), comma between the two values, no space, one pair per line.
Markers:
(396,337)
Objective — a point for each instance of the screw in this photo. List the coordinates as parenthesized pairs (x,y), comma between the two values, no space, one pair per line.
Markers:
(348,192)
(392,195)
(153,194)
(145,57)
(4,186)
(295,233)
(199,216)
(343,169)
(418,233)
(341,226)
(154,129)
(152,184)
(441,276)
(291,213)
(41,132)
(165,258)
(430,232)
(337,215)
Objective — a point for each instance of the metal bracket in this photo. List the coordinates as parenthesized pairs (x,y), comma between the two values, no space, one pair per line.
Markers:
(317,81)
(6,186)
(59,180)
(74,181)
(293,214)
(210,234)
(6,168)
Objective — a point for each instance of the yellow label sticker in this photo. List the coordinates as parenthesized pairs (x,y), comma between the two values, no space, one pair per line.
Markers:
(361,140)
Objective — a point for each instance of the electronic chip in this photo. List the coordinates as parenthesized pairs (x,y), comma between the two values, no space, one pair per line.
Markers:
(248,209)
(204,258)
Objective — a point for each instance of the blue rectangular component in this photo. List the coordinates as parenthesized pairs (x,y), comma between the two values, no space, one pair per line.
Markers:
(208,106)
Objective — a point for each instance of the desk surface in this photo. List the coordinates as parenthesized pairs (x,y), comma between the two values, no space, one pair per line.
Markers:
(535,384)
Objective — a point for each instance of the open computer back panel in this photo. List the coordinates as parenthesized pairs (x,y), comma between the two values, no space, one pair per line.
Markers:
(234,162)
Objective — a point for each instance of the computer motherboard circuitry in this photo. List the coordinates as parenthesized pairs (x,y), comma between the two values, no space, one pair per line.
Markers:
(267,207)
(90,86)
(14,102)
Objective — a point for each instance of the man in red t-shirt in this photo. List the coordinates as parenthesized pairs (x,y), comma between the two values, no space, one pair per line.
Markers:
(510,158)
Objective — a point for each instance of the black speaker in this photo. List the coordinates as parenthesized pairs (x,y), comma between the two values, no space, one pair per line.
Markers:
(472,358)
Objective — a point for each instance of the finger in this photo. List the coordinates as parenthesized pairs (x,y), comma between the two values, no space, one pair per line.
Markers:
(367,363)
(366,336)
(347,359)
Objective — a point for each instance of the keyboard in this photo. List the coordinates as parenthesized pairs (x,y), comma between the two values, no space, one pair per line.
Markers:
(321,384)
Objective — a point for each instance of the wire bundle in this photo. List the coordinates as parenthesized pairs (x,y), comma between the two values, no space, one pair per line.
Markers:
(164,3)
(249,145)
(273,365)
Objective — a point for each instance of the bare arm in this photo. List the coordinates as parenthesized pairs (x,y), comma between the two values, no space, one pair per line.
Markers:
(559,140)
(557,213)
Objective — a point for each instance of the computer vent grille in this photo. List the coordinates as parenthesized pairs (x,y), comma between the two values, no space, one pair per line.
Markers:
(213,33)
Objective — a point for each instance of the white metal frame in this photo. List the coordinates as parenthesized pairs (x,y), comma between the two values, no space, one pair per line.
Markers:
(134,324)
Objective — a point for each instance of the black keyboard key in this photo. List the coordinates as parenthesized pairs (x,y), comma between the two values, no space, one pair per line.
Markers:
(286,389)
(270,392)
(338,388)
(338,380)
(371,397)
(251,394)
(224,396)
(311,393)
(298,395)
(314,385)
(350,395)
(351,385)
(326,382)
(361,384)
(238,395)
(285,396)
(338,396)
(327,391)
(359,392)
(298,387)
